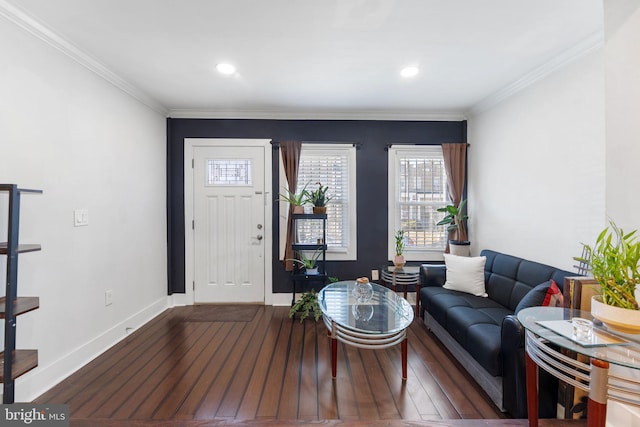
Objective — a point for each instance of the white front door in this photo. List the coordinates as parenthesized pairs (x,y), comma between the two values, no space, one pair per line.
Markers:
(229,227)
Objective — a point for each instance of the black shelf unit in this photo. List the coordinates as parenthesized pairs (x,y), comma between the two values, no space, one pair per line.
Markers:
(298,275)
(14,362)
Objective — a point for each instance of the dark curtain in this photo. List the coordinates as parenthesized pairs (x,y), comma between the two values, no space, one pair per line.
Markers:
(455,164)
(290,159)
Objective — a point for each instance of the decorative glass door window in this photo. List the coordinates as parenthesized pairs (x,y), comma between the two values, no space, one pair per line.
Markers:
(228,172)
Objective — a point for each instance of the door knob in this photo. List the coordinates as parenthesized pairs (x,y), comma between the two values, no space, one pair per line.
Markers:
(259,237)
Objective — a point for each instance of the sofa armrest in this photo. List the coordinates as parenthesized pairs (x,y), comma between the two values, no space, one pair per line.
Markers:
(514,384)
(432,274)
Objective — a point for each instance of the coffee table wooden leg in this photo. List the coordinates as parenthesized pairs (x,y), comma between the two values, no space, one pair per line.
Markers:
(404,359)
(334,356)
(597,405)
(532,390)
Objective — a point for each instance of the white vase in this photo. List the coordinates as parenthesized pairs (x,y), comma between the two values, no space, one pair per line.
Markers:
(312,271)
(616,318)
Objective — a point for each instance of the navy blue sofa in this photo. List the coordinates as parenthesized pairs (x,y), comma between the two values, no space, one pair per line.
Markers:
(484,334)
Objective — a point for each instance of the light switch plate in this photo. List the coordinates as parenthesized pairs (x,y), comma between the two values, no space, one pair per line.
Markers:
(80,217)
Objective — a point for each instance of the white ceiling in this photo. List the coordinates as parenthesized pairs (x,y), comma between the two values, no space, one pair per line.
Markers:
(316,58)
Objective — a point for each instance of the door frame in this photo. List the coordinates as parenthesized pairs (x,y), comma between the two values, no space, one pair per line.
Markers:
(189,241)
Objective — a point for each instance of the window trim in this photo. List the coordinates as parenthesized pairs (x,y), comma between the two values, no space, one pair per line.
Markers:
(413,254)
(332,255)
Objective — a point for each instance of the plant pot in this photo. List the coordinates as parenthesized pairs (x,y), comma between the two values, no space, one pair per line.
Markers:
(298,209)
(460,247)
(312,271)
(319,209)
(399,261)
(616,318)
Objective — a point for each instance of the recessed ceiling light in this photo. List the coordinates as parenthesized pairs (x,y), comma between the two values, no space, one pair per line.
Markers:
(226,68)
(409,71)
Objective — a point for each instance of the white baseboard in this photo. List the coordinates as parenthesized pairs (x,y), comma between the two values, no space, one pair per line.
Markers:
(43,378)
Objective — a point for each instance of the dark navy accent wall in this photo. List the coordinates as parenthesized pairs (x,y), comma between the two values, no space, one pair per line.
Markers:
(372,138)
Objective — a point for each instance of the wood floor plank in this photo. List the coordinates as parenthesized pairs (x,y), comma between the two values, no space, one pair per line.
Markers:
(99,393)
(308,394)
(397,390)
(345,391)
(268,407)
(214,366)
(100,368)
(367,407)
(238,388)
(381,393)
(172,401)
(256,388)
(153,381)
(288,407)
(457,385)
(268,370)
(327,398)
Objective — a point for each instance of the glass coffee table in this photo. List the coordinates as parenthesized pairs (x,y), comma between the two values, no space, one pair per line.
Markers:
(375,319)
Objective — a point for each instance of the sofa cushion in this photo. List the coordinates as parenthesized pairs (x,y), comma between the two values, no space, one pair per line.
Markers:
(545,294)
(465,274)
(474,322)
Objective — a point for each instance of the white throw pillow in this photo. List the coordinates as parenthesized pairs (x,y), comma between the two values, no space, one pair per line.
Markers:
(465,274)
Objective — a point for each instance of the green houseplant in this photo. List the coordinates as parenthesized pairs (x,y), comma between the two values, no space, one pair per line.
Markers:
(309,263)
(454,219)
(398,260)
(307,303)
(614,263)
(319,198)
(296,199)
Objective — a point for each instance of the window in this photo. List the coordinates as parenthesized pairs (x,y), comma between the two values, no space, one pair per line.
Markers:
(228,172)
(334,165)
(417,188)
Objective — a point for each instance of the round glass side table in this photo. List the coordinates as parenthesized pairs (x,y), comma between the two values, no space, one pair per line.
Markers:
(392,277)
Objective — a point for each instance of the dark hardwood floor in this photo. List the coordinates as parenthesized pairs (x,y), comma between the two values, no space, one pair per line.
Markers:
(258,367)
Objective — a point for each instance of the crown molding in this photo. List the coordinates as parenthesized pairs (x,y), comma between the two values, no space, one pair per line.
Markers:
(37,29)
(579,50)
(284,114)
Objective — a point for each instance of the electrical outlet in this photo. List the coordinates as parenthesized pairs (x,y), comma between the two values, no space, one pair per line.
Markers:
(108,297)
(374,275)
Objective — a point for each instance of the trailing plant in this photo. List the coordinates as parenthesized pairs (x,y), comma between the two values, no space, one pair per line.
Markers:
(307,303)
(319,197)
(454,218)
(613,261)
(293,198)
(399,242)
(333,279)
(305,261)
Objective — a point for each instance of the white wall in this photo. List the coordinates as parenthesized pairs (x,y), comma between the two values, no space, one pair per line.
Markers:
(88,145)
(622,58)
(536,167)
(622,20)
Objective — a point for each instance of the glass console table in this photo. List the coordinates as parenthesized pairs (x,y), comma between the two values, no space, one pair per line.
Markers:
(603,348)
(376,319)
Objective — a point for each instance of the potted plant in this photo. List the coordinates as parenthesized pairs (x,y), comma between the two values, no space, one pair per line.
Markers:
(454,219)
(319,199)
(308,263)
(614,263)
(398,260)
(297,200)
(307,303)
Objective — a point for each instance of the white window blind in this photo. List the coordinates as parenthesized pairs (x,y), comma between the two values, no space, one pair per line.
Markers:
(329,166)
(417,189)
